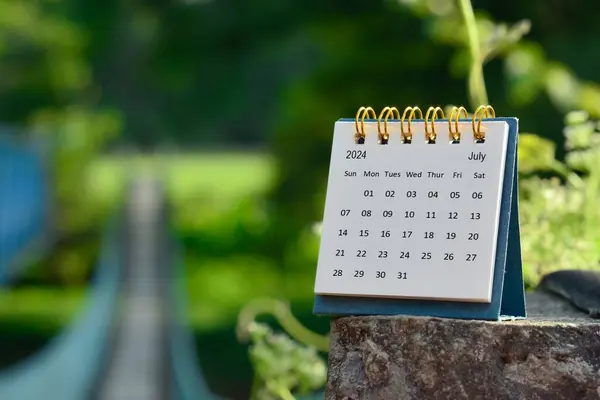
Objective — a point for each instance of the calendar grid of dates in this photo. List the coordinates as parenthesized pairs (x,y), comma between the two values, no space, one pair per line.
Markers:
(414,221)
(406,234)
(397,242)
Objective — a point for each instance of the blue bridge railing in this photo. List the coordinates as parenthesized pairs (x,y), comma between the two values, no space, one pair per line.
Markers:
(186,375)
(68,367)
(24,202)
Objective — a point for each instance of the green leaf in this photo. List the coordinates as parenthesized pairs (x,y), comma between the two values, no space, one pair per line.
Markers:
(579,136)
(583,160)
(563,88)
(503,38)
(535,153)
(576,117)
(525,68)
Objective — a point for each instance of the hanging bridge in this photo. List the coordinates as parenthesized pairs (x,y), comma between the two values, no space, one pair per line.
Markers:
(131,340)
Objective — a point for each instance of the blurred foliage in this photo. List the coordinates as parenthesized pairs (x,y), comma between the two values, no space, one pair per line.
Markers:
(48,86)
(282,366)
(559,214)
(231,71)
(54,307)
(528,73)
(77,135)
(41,59)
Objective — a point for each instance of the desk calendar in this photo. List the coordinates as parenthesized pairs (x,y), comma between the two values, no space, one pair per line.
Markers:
(421,216)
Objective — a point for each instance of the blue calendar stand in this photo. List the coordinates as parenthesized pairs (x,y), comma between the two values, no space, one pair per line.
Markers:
(508,297)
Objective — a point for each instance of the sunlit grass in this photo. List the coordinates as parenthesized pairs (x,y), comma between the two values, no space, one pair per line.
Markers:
(106,177)
(52,306)
(223,175)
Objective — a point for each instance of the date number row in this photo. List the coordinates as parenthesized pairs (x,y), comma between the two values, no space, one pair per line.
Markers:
(360,273)
(408,214)
(424,255)
(408,234)
(413,194)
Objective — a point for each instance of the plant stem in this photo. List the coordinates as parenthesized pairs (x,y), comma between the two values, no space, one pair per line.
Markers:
(591,202)
(573,179)
(285,394)
(284,316)
(476,85)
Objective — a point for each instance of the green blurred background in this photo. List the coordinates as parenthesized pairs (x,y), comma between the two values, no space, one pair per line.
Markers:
(233,103)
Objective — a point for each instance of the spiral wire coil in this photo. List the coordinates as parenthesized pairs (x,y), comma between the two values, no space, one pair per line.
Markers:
(410,114)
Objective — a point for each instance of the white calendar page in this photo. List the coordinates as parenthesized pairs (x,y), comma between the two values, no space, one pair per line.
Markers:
(414,220)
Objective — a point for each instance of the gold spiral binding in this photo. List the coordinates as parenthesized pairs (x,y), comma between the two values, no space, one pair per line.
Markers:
(407,136)
(455,134)
(482,112)
(433,111)
(363,112)
(385,135)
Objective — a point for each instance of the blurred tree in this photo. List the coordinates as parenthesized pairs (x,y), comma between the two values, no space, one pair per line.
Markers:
(219,71)
(47,85)
(40,60)
(532,80)
(207,72)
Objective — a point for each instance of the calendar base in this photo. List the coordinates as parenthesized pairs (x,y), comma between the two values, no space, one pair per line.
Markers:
(343,305)
(550,355)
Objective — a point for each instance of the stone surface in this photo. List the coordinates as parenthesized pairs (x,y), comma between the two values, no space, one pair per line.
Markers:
(554,354)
